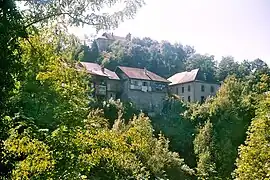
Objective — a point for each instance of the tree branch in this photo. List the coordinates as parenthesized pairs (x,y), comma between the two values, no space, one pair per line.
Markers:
(44,18)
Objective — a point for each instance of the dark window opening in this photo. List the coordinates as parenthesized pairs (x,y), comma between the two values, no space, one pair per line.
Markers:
(183,89)
(212,89)
(144,83)
(188,88)
(202,88)
(202,99)
(177,91)
(188,98)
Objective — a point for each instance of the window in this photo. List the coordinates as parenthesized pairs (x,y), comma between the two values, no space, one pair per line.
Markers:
(212,89)
(183,98)
(188,88)
(202,88)
(144,83)
(202,99)
(177,90)
(188,98)
(183,89)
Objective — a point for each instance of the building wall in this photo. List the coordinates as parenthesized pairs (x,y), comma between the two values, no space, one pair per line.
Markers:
(110,88)
(103,43)
(124,86)
(113,89)
(149,101)
(144,97)
(195,94)
(199,94)
(113,85)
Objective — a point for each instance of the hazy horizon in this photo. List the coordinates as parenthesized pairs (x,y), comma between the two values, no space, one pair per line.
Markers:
(217,27)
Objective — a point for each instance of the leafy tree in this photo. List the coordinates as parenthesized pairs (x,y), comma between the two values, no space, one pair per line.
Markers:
(94,151)
(162,58)
(10,61)
(205,63)
(112,109)
(52,90)
(54,135)
(203,146)
(227,66)
(230,114)
(244,69)
(11,30)
(89,54)
(80,12)
(178,128)
(254,156)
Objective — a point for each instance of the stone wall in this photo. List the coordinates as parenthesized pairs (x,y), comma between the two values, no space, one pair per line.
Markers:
(148,101)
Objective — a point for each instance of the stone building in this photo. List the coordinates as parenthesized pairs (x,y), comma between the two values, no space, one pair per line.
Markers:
(106,83)
(145,89)
(107,39)
(188,86)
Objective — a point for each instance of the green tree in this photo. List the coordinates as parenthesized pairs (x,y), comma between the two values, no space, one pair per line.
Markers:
(93,151)
(89,54)
(230,114)
(227,66)
(54,135)
(205,63)
(178,128)
(52,90)
(162,57)
(203,147)
(254,155)
(80,12)
(10,59)
(11,30)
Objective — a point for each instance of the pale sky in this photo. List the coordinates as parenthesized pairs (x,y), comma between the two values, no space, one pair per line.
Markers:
(240,28)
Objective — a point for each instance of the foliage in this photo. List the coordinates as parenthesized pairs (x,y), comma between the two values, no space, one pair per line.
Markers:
(89,54)
(205,63)
(53,138)
(11,30)
(254,156)
(49,131)
(229,115)
(83,12)
(94,151)
(114,108)
(52,90)
(203,147)
(163,57)
(226,67)
(178,128)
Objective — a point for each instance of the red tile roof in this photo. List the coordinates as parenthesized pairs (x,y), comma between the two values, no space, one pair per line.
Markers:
(95,69)
(137,73)
(183,77)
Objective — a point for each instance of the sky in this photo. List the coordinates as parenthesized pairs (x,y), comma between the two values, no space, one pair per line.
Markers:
(240,28)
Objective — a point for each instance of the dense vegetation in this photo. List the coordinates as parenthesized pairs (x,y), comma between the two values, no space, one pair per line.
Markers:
(51,129)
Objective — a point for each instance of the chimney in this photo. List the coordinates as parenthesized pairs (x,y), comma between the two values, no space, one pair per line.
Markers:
(102,68)
(145,70)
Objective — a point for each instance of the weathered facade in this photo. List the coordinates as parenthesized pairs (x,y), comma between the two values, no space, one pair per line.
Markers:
(142,87)
(107,39)
(189,88)
(106,83)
